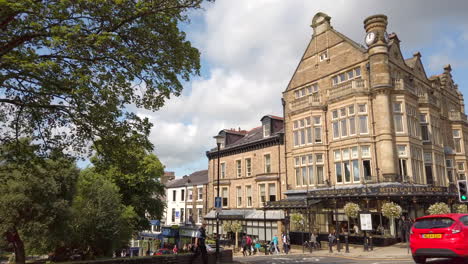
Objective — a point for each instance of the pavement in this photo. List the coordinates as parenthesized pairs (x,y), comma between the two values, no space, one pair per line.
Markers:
(395,252)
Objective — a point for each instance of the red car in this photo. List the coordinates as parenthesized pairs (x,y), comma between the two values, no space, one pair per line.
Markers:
(439,236)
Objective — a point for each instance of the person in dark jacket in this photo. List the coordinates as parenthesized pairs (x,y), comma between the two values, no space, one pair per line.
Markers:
(200,245)
(405,226)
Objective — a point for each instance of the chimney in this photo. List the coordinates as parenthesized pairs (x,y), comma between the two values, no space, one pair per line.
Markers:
(321,23)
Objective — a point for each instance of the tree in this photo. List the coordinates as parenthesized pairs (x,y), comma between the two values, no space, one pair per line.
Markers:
(297,220)
(136,173)
(70,71)
(100,223)
(35,195)
(236,227)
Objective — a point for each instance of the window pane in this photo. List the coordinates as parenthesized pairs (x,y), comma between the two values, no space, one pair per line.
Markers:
(336,132)
(366,169)
(318,134)
(319,174)
(351,110)
(424,132)
(357,71)
(356,176)
(319,158)
(311,175)
(343,112)
(337,155)
(344,129)
(363,125)
(302,136)
(365,151)
(397,107)
(298,161)
(354,153)
(309,135)
(298,177)
(335,114)
(350,74)
(352,126)
(296,138)
(398,123)
(347,171)
(316,120)
(339,176)
(272,192)
(345,154)
(304,175)
(362,108)
(304,160)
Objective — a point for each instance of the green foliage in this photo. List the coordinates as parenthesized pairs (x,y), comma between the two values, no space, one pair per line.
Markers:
(460,208)
(35,195)
(70,69)
(136,173)
(100,223)
(351,210)
(227,226)
(236,227)
(438,208)
(391,210)
(297,221)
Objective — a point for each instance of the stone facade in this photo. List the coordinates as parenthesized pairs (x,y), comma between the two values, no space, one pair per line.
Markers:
(356,114)
(251,165)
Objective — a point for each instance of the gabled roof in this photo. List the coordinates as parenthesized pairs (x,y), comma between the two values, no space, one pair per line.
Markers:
(196,178)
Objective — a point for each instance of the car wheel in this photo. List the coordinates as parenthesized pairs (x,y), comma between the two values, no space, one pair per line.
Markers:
(419,260)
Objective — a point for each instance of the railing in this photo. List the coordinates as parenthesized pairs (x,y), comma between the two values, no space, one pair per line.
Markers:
(457,116)
(347,88)
(402,84)
(308,100)
(428,99)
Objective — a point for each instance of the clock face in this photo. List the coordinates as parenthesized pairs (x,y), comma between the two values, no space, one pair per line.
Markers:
(370,38)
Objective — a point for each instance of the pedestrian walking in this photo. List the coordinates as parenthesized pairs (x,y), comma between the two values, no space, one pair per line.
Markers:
(275,244)
(200,246)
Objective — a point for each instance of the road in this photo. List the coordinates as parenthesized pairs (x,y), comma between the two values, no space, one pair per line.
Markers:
(283,259)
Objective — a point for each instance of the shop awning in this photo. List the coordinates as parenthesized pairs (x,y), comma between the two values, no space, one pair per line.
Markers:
(253,214)
(291,203)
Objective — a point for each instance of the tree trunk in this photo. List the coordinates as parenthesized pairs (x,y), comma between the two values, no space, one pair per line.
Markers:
(236,245)
(13,237)
(20,255)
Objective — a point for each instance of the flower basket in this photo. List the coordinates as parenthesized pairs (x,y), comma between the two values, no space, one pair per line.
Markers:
(460,208)
(391,210)
(351,210)
(438,208)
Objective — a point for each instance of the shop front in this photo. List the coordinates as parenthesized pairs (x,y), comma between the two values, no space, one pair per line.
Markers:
(261,225)
(321,211)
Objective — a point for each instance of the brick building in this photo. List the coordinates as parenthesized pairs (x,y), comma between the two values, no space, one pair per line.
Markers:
(251,165)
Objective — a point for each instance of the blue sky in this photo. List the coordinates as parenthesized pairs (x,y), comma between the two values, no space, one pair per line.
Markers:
(249,50)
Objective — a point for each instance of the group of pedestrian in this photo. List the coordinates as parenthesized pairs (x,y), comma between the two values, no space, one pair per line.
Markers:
(404,226)
(247,245)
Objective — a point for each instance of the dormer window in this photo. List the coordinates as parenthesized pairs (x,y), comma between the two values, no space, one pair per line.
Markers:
(266,130)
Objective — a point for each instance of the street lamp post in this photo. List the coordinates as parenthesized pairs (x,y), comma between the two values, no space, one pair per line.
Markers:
(219,141)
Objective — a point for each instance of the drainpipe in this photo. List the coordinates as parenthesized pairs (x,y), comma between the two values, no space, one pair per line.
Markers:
(327,153)
(285,141)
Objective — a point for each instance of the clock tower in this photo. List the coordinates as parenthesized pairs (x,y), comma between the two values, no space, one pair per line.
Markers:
(381,87)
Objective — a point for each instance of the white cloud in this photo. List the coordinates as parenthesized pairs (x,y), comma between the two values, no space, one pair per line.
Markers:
(253,48)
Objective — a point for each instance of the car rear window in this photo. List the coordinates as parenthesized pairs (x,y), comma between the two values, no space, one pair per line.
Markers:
(464,220)
(434,222)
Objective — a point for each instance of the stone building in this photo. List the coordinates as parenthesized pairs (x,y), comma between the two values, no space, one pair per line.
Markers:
(251,166)
(363,124)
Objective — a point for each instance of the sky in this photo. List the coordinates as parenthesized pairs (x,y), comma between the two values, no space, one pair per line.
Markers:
(250,49)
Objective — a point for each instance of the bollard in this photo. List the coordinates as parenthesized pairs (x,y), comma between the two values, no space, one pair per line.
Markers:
(338,245)
(265,246)
(371,244)
(347,244)
(365,244)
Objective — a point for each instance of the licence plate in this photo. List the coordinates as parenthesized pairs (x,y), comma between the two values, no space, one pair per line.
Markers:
(432,235)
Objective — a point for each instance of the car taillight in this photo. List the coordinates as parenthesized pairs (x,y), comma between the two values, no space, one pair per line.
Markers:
(456,229)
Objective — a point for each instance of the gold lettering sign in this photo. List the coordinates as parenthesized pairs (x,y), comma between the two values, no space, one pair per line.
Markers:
(376,191)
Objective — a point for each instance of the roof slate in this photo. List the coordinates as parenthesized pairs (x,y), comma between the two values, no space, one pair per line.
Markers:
(196,178)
